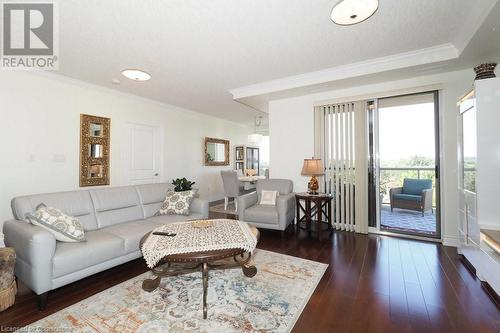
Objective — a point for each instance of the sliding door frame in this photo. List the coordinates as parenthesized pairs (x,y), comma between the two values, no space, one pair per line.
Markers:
(374,167)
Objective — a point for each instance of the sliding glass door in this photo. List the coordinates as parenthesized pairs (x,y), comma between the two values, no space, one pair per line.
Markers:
(404,164)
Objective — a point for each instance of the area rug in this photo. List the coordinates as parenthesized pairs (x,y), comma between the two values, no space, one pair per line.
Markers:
(271,301)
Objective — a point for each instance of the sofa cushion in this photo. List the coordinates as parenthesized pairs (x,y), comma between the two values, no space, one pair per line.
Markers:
(152,196)
(408,197)
(164,219)
(74,203)
(131,233)
(416,186)
(262,214)
(115,205)
(99,247)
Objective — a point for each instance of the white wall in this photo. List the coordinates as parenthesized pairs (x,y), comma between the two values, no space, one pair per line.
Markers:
(40,116)
(292,134)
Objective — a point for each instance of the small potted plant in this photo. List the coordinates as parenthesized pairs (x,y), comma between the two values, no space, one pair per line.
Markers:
(182,184)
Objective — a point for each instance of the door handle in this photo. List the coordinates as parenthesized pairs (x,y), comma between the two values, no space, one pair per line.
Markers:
(436,172)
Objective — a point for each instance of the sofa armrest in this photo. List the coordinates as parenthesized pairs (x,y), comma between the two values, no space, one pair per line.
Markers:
(427,198)
(286,209)
(245,201)
(199,206)
(35,248)
(395,190)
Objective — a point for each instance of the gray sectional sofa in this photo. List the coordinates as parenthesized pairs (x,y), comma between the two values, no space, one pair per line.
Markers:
(114,219)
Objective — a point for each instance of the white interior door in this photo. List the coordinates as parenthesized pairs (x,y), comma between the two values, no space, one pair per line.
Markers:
(143,158)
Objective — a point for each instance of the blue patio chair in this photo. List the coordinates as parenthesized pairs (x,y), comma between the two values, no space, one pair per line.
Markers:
(416,194)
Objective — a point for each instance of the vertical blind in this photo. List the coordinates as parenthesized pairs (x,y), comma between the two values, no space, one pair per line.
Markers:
(338,150)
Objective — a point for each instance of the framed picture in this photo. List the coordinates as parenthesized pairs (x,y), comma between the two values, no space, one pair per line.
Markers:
(239,165)
(239,153)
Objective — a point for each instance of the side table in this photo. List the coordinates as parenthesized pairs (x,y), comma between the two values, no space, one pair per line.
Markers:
(314,207)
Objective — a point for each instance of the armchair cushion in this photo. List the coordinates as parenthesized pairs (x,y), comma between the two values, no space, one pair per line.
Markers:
(262,214)
(408,197)
(416,186)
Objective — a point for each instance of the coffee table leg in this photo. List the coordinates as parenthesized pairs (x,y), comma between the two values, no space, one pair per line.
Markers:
(205,288)
(247,265)
(150,285)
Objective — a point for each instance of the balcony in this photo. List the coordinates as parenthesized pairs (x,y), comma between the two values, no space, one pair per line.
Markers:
(403,220)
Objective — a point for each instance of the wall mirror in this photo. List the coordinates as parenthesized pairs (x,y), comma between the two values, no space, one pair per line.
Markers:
(216,152)
(96,130)
(94,150)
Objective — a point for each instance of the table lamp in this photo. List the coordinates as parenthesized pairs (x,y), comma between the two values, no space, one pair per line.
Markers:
(313,167)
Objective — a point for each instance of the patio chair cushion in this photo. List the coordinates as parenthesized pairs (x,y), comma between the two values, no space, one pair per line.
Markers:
(408,197)
(416,186)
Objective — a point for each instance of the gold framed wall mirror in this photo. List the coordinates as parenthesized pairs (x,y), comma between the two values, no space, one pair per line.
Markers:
(216,152)
(94,150)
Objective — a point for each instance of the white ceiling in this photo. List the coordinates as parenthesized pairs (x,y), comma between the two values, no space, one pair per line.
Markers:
(199,50)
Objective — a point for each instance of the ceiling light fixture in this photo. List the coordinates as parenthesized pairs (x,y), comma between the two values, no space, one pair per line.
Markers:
(256,137)
(136,75)
(348,12)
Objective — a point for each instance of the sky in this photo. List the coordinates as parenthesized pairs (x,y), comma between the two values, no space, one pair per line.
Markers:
(406,131)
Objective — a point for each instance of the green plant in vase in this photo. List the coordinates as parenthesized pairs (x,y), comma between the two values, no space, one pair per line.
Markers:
(182,184)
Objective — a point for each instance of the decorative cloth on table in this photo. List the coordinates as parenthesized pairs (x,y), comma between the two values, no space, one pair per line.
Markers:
(220,235)
(8,287)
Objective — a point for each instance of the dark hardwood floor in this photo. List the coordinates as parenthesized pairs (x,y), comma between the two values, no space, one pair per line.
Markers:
(372,284)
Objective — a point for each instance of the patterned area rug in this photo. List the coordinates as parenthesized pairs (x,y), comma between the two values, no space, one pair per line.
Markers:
(408,220)
(271,301)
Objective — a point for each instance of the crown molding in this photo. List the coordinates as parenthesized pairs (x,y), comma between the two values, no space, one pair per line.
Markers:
(424,56)
(55,76)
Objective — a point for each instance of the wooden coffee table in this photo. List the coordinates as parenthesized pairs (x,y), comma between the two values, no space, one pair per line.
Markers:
(203,260)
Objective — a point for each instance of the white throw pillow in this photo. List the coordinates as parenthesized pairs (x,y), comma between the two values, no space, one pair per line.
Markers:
(65,228)
(177,203)
(268,197)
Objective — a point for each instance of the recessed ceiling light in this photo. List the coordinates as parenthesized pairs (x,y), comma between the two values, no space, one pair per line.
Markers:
(348,12)
(136,75)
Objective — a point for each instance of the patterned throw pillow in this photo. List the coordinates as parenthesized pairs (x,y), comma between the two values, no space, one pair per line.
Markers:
(65,228)
(268,197)
(177,203)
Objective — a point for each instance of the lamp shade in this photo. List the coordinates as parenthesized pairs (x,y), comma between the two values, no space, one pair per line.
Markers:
(312,167)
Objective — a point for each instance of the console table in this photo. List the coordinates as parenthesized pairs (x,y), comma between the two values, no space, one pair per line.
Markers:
(314,207)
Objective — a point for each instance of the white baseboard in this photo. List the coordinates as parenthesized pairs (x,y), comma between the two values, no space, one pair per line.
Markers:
(450,241)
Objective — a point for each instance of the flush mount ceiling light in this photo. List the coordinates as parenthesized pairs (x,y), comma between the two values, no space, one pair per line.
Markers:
(348,12)
(136,75)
